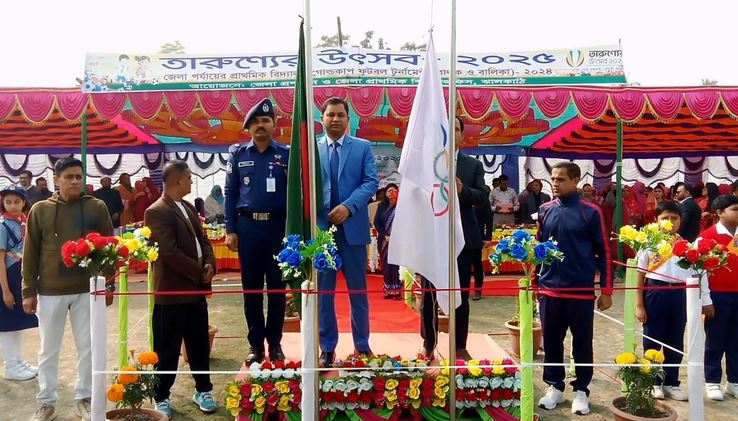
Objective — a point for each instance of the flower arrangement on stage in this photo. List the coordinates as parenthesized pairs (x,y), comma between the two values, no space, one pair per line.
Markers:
(703,256)
(523,247)
(93,252)
(139,246)
(297,255)
(654,237)
(507,230)
(214,231)
(639,380)
(379,385)
(131,389)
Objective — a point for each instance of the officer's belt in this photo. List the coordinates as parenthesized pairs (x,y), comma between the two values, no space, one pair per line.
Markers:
(258,216)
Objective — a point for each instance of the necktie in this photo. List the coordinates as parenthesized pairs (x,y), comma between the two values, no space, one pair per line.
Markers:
(334,175)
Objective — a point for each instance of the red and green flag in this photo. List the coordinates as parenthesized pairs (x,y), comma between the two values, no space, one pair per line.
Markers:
(298,170)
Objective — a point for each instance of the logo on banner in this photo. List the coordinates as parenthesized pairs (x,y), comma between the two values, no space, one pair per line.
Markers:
(439,193)
(574,58)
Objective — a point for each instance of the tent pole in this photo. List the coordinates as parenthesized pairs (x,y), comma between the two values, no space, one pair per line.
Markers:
(83,151)
(619,190)
(452,203)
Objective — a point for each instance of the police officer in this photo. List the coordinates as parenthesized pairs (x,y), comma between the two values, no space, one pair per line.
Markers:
(255,214)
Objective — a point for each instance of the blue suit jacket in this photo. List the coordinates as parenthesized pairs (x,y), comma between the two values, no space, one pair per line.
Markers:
(357,183)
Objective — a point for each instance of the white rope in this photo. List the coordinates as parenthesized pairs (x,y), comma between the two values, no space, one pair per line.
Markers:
(641,332)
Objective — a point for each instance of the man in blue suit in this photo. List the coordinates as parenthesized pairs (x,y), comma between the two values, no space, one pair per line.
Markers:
(349,181)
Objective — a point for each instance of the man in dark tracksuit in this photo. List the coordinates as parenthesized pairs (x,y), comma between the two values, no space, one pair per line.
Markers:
(580,231)
(484,218)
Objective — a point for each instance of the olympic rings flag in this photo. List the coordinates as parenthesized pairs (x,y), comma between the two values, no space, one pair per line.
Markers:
(420,230)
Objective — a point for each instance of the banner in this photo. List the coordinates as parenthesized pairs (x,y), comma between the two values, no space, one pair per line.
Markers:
(346,67)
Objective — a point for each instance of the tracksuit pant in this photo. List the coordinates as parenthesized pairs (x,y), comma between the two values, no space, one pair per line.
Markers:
(722,338)
(666,320)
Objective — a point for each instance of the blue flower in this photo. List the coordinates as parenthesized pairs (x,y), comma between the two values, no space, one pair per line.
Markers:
(320,262)
(519,252)
(337,261)
(495,258)
(283,255)
(292,241)
(541,251)
(551,245)
(504,245)
(294,258)
(521,235)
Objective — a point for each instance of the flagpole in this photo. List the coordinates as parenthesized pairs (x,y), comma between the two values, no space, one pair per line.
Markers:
(313,192)
(452,202)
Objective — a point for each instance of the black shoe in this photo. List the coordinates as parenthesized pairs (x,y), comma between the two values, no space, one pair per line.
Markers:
(276,353)
(326,359)
(365,352)
(477,296)
(463,354)
(256,355)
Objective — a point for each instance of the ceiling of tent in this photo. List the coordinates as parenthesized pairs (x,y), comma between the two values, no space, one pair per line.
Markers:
(574,121)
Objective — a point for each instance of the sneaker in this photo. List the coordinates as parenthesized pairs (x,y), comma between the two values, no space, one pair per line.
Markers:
(83,407)
(165,407)
(32,368)
(580,404)
(477,296)
(44,413)
(658,392)
(16,371)
(675,393)
(713,391)
(731,389)
(552,398)
(205,401)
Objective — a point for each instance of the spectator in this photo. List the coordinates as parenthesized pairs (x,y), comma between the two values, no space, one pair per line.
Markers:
(533,200)
(215,206)
(112,200)
(691,212)
(504,202)
(127,195)
(43,192)
(383,220)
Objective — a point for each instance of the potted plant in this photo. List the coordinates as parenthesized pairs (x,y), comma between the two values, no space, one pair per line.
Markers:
(524,248)
(130,390)
(639,376)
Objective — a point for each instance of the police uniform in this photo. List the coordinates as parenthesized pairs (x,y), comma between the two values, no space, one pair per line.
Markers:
(255,209)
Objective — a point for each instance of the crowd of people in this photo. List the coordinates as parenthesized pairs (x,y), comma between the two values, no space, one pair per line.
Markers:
(39,291)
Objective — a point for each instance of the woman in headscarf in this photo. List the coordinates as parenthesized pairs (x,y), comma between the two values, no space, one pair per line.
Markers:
(383,223)
(214,206)
(654,198)
(141,200)
(154,193)
(631,208)
(127,194)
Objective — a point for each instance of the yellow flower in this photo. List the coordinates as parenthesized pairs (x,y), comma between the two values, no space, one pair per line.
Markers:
(654,356)
(416,382)
(475,371)
(628,232)
(665,250)
(233,390)
(235,411)
(115,392)
(146,232)
(133,244)
(256,389)
(152,255)
(391,395)
(127,378)
(391,404)
(416,403)
(440,402)
(651,228)
(440,392)
(149,358)
(626,358)
(391,384)
(284,401)
(646,368)
(641,237)
(444,364)
(498,370)
(231,402)
(666,225)
(441,381)
(413,393)
(260,402)
(282,387)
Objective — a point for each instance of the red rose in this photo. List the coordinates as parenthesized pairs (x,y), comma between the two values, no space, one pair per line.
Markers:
(246,404)
(123,251)
(460,394)
(68,262)
(692,255)
(268,386)
(353,396)
(366,397)
(91,236)
(507,394)
(100,242)
(245,389)
(496,394)
(705,245)
(68,248)
(82,248)
(290,364)
(272,399)
(278,364)
(112,240)
(294,384)
(298,364)
(711,263)
(267,366)
(359,363)
(680,247)
(471,395)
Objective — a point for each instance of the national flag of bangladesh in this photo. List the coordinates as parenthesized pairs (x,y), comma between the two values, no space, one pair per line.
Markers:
(298,174)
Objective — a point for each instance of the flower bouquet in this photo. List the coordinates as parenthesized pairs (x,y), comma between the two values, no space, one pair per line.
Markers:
(639,375)
(703,256)
(269,388)
(524,248)
(138,246)
(130,389)
(655,237)
(96,253)
(482,383)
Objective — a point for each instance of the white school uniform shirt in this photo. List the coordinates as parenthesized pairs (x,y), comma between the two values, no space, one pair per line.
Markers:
(671,268)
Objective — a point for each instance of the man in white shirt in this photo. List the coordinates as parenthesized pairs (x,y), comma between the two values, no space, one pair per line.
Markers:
(504,202)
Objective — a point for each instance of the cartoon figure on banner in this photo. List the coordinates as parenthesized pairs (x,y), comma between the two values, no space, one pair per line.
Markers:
(142,69)
(122,69)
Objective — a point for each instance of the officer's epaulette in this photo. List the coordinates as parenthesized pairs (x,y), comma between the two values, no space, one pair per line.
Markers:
(233,148)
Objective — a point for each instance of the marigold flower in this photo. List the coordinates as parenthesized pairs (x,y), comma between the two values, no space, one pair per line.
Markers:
(127,378)
(654,356)
(115,392)
(146,232)
(626,358)
(148,358)
(152,255)
(646,367)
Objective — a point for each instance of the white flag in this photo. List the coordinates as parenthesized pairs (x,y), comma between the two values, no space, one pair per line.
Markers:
(420,228)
